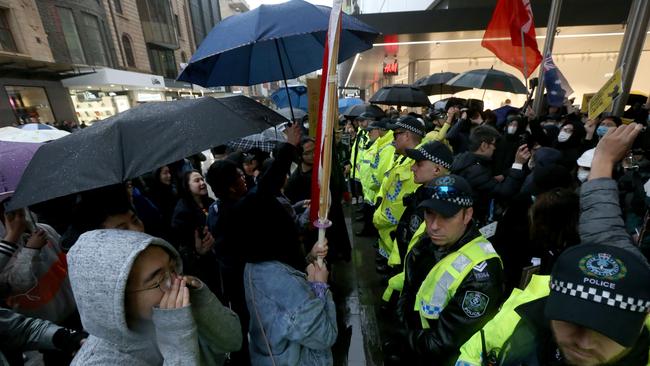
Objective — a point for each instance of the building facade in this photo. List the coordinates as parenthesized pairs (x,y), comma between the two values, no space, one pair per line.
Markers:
(30,90)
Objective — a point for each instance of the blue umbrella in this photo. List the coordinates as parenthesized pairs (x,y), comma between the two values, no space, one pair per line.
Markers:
(345,103)
(298,94)
(270,43)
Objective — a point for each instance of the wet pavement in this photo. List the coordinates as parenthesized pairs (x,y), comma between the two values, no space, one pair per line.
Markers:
(357,289)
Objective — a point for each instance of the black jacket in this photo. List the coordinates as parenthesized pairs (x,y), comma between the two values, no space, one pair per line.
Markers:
(445,336)
(532,342)
(477,170)
(410,220)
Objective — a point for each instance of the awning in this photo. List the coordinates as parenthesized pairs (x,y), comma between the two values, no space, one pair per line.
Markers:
(106,77)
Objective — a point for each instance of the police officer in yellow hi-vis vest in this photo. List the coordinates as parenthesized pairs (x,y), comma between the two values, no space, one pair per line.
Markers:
(398,182)
(452,279)
(593,309)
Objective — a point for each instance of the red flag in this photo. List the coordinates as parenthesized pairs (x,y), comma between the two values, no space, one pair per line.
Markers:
(503,35)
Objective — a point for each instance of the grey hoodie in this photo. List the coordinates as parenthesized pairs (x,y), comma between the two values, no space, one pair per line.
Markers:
(99,265)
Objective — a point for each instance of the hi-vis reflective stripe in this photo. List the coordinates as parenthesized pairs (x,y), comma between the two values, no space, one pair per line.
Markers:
(447,283)
(439,297)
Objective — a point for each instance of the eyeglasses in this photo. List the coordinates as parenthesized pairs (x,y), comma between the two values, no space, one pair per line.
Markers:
(165,283)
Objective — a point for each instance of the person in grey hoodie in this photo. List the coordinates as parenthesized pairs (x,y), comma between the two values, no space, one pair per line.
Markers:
(139,310)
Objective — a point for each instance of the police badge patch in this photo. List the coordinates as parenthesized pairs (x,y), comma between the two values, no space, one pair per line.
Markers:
(475,303)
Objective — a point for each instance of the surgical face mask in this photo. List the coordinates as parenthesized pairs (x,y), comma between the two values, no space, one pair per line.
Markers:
(563,136)
(512,130)
(601,131)
(583,174)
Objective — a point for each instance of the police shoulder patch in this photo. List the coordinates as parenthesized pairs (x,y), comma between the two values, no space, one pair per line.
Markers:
(480,274)
(475,303)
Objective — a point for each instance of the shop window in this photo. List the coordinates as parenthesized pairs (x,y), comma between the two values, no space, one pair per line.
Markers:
(7,42)
(162,61)
(128,50)
(118,6)
(95,50)
(183,57)
(30,104)
(157,22)
(71,36)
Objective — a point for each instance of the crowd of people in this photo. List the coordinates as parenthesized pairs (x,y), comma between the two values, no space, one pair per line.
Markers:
(500,240)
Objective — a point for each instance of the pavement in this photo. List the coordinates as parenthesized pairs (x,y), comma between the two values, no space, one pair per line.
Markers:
(357,290)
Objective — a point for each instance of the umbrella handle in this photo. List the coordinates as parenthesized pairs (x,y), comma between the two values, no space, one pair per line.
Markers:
(322,225)
(284,76)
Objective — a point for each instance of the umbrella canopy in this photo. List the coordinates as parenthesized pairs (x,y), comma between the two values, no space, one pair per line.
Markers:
(357,110)
(15,157)
(286,113)
(502,113)
(489,79)
(445,104)
(246,49)
(345,103)
(437,84)
(26,135)
(137,141)
(401,95)
(36,126)
(298,94)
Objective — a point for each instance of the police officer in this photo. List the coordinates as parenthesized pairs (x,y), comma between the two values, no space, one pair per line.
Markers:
(358,147)
(592,309)
(398,182)
(453,277)
(432,160)
(373,161)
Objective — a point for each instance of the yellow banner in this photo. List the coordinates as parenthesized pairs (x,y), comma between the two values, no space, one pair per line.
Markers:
(313,99)
(606,95)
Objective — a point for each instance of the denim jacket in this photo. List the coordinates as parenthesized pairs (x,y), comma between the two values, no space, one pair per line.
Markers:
(299,317)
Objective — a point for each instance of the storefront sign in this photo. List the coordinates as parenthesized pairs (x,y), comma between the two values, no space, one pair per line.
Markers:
(391,68)
(149,97)
(88,96)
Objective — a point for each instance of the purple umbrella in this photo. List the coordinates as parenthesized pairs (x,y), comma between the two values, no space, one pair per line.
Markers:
(15,157)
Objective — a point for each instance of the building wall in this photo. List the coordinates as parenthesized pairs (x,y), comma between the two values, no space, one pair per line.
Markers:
(27,29)
(52,24)
(185,40)
(127,22)
(58,96)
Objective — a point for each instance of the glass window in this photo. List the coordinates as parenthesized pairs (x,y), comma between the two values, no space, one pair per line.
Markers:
(118,6)
(178,26)
(96,52)
(30,104)
(162,61)
(128,50)
(7,42)
(71,36)
(157,22)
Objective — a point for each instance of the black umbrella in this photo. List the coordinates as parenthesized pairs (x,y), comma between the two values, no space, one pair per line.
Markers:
(135,142)
(400,95)
(489,79)
(437,84)
(357,110)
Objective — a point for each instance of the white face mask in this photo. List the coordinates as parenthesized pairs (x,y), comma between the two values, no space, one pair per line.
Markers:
(583,175)
(563,136)
(512,130)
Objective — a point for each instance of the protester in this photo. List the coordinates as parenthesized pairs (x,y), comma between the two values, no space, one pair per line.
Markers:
(162,192)
(145,312)
(475,166)
(18,332)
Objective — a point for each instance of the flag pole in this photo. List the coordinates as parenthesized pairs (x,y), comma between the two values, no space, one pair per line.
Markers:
(330,109)
(523,53)
(551,28)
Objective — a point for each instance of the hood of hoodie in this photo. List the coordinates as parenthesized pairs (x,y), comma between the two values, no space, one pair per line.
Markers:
(99,265)
(546,156)
(466,159)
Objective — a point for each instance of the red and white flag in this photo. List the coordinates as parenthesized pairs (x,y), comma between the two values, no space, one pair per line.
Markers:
(319,207)
(503,36)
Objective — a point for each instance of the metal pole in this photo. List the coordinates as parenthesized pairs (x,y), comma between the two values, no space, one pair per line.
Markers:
(551,29)
(523,53)
(630,53)
(284,76)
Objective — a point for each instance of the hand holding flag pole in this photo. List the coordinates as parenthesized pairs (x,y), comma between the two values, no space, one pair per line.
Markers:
(327,117)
